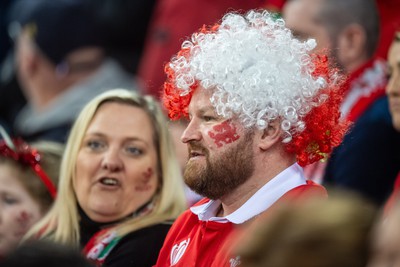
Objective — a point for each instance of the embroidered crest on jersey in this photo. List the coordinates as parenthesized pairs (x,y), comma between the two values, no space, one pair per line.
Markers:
(178,250)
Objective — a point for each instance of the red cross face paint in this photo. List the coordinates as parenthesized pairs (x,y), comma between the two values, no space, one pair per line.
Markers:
(224,133)
(143,184)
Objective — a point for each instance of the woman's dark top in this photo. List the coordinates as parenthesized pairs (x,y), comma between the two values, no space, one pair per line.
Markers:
(137,249)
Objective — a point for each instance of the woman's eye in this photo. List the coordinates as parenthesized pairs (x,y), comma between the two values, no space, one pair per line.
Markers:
(95,145)
(134,150)
(9,200)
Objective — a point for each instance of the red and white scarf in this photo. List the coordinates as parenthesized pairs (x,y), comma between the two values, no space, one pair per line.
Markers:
(102,243)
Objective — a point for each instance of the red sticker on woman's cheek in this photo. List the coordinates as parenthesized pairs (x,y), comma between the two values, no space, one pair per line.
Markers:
(224,133)
(144,182)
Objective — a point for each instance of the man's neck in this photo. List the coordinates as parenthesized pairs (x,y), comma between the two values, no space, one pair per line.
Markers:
(234,200)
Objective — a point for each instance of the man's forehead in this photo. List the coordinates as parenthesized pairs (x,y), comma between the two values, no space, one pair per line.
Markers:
(201,100)
(200,107)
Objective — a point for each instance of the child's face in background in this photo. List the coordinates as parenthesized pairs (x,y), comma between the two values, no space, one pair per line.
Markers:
(18,210)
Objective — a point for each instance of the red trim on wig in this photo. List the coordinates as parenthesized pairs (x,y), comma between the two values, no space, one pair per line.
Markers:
(173,100)
(324,127)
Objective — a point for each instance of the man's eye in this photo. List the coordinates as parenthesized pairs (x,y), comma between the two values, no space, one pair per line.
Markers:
(134,151)
(208,118)
(95,145)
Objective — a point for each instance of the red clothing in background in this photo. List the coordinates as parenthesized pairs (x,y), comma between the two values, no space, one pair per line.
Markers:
(172,22)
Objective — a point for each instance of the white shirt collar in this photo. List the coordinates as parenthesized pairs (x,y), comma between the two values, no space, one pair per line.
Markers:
(264,198)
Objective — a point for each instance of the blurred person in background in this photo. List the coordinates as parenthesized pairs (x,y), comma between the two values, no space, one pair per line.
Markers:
(393,93)
(386,239)
(120,183)
(28,183)
(316,233)
(172,21)
(393,86)
(41,253)
(124,24)
(61,65)
(11,97)
(367,161)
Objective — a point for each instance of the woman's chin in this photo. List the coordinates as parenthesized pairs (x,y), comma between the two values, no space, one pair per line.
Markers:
(101,211)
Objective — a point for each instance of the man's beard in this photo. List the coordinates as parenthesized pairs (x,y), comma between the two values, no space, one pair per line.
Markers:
(225,173)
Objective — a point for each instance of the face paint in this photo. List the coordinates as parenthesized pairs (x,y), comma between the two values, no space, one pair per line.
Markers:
(144,186)
(24,220)
(23,217)
(224,133)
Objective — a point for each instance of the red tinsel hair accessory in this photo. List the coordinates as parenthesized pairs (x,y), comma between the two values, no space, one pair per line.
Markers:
(21,152)
(325,129)
(174,101)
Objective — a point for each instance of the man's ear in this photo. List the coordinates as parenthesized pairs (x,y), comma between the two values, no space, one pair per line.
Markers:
(351,43)
(270,135)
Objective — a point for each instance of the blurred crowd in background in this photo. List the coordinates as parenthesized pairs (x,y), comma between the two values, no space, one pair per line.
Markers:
(57,55)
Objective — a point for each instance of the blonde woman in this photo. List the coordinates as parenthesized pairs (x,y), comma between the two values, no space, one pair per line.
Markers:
(120,183)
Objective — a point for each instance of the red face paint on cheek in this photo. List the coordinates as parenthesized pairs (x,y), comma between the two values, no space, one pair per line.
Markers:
(144,182)
(224,133)
(24,217)
(24,221)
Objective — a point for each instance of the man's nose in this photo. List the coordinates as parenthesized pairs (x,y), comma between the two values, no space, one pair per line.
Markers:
(191,133)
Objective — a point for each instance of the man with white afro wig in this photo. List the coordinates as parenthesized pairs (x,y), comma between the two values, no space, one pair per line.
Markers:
(259,107)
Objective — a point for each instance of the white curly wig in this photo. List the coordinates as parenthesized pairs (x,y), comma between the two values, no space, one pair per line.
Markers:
(256,69)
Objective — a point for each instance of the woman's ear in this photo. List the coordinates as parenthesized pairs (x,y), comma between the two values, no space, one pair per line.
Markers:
(270,135)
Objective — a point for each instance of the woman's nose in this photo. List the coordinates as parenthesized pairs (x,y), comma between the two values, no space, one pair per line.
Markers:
(112,160)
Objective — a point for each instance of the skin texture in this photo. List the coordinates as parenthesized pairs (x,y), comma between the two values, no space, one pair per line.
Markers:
(220,150)
(393,86)
(123,150)
(18,210)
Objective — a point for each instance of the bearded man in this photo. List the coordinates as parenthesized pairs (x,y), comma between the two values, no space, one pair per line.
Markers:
(259,108)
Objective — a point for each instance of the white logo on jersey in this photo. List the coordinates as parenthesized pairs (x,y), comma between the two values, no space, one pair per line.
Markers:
(235,262)
(178,250)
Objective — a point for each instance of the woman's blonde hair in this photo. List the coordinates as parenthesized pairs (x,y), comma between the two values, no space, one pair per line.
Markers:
(62,222)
